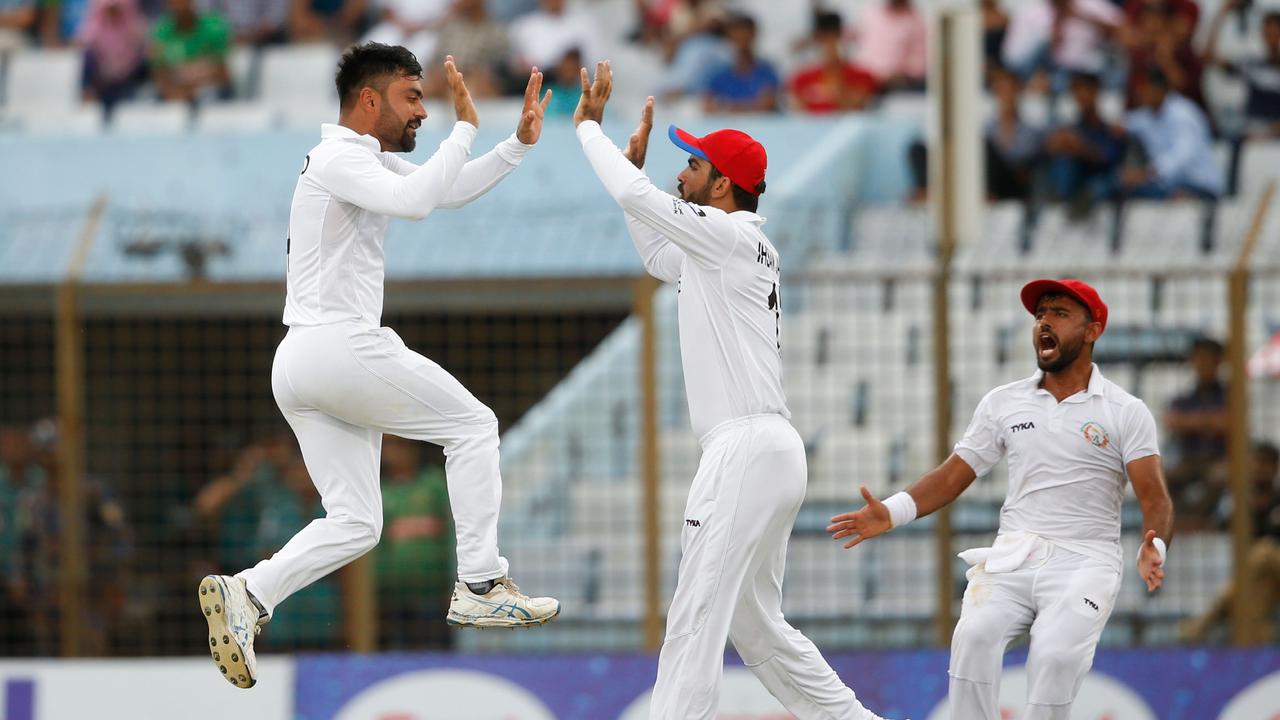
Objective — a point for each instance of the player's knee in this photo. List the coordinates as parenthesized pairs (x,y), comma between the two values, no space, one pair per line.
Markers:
(478,429)
(1054,675)
(976,649)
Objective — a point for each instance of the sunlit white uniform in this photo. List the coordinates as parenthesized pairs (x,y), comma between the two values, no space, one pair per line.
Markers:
(1055,565)
(342,381)
(752,475)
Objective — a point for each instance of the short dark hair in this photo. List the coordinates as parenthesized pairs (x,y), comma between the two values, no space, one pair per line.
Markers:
(1268,451)
(741,198)
(1202,344)
(368,65)
(741,19)
(1087,77)
(1157,77)
(827,22)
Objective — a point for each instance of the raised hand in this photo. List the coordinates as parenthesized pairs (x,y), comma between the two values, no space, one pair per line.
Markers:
(463,106)
(1150,566)
(872,520)
(530,127)
(594,94)
(638,145)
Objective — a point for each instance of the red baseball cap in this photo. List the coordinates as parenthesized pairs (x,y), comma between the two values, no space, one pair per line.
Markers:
(734,153)
(1081,291)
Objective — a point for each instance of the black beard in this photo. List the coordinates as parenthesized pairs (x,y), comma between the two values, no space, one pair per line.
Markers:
(407,141)
(1066,356)
(701,198)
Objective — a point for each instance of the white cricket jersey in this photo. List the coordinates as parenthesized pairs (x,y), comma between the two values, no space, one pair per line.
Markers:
(346,192)
(727,275)
(1067,460)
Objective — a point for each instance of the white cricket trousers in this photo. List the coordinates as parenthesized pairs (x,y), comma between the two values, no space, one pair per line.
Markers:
(742,505)
(341,387)
(1064,598)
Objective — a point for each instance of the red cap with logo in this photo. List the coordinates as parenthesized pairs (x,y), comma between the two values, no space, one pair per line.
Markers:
(1081,291)
(734,153)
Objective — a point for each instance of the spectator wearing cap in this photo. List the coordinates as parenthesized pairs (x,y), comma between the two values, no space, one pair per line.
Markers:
(1197,427)
(480,47)
(833,84)
(746,84)
(337,21)
(189,53)
(1083,157)
(1261,73)
(17,23)
(253,22)
(1174,137)
(114,37)
(1060,36)
(543,37)
(891,44)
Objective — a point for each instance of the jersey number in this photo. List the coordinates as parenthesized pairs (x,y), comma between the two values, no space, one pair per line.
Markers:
(775,304)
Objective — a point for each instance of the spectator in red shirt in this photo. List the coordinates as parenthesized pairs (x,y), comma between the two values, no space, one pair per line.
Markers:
(832,84)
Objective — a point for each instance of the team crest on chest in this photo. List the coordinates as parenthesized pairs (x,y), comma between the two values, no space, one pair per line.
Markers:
(1094,433)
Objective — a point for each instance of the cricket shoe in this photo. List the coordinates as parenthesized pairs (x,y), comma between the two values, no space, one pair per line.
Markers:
(503,606)
(233,621)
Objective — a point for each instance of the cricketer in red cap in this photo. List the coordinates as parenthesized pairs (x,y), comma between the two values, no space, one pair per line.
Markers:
(733,153)
(1066,312)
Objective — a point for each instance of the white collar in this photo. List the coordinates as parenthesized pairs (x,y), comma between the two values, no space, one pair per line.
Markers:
(330,131)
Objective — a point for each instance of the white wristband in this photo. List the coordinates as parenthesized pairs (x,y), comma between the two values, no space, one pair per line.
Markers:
(902,509)
(1160,547)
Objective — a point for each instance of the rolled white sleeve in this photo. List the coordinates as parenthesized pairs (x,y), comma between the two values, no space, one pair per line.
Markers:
(982,445)
(705,234)
(362,178)
(1139,435)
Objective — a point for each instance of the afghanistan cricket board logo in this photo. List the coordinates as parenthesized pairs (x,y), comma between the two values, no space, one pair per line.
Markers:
(1094,433)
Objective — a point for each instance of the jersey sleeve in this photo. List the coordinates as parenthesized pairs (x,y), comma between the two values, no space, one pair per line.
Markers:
(982,446)
(704,234)
(363,179)
(662,259)
(1139,436)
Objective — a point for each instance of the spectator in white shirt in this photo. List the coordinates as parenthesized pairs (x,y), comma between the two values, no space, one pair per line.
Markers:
(543,37)
(411,24)
(1060,35)
(1174,135)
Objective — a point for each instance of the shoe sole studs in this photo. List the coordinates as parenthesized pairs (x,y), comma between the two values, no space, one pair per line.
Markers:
(211,604)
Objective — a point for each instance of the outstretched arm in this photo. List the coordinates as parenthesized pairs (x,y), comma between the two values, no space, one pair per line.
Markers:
(662,259)
(704,234)
(935,489)
(360,178)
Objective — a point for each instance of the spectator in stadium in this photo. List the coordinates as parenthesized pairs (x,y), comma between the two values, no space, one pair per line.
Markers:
(59,20)
(412,24)
(415,562)
(1261,73)
(336,21)
(234,501)
(543,37)
(891,44)
(995,25)
(564,84)
(479,46)
(833,84)
(316,610)
(17,23)
(748,83)
(694,46)
(1174,137)
(1197,428)
(1050,38)
(109,543)
(1013,146)
(114,37)
(1186,14)
(1083,157)
(1262,562)
(1156,42)
(189,54)
(253,22)
(18,472)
